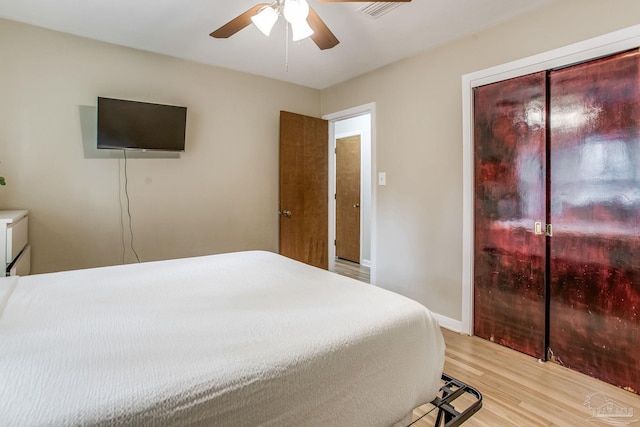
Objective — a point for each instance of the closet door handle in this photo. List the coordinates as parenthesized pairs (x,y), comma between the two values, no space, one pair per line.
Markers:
(537,227)
(549,230)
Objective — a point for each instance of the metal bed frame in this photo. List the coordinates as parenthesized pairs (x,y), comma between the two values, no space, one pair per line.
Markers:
(448,415)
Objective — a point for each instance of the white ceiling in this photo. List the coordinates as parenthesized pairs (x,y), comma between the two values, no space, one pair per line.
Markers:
(181,28)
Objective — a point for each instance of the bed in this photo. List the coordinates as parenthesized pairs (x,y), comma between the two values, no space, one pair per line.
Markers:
(240,339)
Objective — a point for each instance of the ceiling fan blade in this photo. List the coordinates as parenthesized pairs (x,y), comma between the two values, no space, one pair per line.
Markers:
(237,23)
(322,35)
(364,1)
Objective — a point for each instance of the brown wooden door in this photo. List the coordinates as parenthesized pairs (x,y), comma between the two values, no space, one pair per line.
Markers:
(510,197)
(348,198)
(304,188)
(594,274)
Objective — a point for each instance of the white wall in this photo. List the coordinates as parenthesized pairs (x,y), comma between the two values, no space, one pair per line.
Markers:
(361,125)
(419,140)
(220,195)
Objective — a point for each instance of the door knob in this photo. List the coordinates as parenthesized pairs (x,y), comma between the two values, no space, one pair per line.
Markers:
(357,205)
(285,213)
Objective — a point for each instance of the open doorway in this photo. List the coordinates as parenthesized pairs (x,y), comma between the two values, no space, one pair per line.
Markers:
(351,212)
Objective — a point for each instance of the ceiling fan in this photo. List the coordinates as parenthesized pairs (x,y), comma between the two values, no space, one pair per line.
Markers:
(304,21)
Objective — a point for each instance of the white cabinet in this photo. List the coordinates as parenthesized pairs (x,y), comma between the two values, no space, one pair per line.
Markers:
(14,239)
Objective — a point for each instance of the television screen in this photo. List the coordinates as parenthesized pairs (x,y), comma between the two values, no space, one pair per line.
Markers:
(133,125)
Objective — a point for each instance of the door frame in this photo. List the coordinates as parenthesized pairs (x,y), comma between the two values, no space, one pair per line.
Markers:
(627,38)
(370,109)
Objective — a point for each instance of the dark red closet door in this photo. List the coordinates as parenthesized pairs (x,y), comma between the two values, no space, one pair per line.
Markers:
(509,264)
(595,213)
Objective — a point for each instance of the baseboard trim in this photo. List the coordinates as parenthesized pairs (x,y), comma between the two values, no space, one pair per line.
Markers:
(365,263)
(449,323)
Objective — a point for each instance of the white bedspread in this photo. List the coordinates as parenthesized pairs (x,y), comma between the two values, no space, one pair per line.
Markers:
(241,339)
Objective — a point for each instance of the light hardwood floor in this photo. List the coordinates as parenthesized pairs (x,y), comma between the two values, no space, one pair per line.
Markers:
(519,390)
(353,270)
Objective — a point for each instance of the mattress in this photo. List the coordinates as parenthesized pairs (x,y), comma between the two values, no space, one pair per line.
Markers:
(240,339)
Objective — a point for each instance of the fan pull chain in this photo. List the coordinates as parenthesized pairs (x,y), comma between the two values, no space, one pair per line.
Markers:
(286,50)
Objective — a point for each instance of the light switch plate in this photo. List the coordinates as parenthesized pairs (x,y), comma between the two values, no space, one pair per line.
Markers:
(382,178)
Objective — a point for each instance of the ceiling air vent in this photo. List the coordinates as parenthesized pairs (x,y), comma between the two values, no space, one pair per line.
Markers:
(377,9)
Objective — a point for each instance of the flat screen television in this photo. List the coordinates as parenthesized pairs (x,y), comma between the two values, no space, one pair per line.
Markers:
(134,125)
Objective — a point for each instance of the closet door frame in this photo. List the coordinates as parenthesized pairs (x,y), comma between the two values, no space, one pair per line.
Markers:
(607,44)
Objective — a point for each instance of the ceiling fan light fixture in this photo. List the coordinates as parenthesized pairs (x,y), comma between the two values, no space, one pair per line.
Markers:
(265,19)
(300,30)
(295,11)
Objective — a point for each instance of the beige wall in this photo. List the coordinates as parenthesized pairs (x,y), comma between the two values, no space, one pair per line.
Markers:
(419,140)
(221,195)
